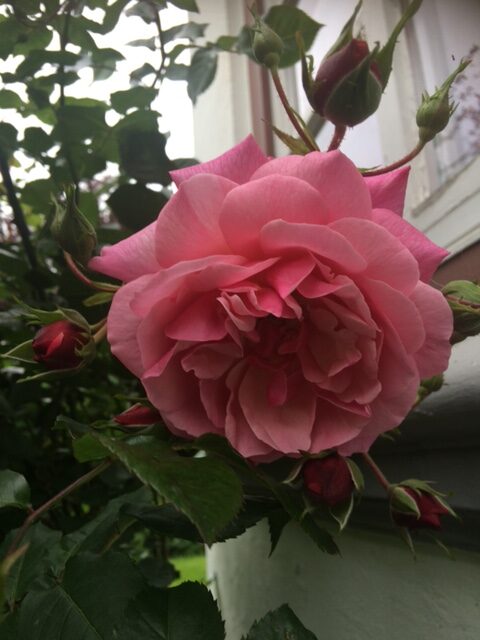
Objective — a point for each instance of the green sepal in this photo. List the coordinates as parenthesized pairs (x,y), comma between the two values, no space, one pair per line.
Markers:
(40,316)
(22,352)
(307,64)
(342,512)
(267,46)
(101,297)
(402,502)
(384,57)
(357,475)
(346,34)
(296,145)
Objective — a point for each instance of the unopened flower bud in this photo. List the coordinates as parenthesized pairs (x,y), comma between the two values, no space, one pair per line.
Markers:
(57,345)
(328,480)
(267,45)
(138,415)
(463,297)
(427,512)
(347,88)
(71,229)
(435,111)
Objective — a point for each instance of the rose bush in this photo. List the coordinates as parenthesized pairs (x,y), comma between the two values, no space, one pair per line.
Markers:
(282,303)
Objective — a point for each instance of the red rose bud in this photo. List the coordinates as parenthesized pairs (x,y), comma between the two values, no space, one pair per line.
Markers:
(138,415)
(347,88)
(429,510)
(56,345)
(328,480)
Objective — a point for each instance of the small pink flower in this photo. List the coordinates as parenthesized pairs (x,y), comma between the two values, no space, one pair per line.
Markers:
(282,303)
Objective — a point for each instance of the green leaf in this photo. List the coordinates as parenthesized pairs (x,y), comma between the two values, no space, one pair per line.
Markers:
(150,43)
(104,62)
(286,21)
(186,612)
(10,100)
(14,490)
(142,154)
(281,624)
(168,520)
(186,5)
(136,97)
(205,489)
(277,521)
(135,206)
(33,563)
(38,57)
(8,138)
(203,68)
(87,448)
(93,594)
(36,141)
(189,30)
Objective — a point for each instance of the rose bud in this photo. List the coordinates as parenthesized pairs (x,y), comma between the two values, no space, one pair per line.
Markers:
(56,345)
(267,46)
(435,111)
(425,512)
(72,230)
(138,415)
(347,88)
(328,480)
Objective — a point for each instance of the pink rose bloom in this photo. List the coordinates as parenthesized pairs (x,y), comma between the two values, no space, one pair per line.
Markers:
(281,303)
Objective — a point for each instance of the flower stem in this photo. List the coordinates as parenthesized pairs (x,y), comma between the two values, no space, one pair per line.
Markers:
(83,278)
(38,513)
(378,172)
(338,136)
(289,111)
(99,335)
(377,472)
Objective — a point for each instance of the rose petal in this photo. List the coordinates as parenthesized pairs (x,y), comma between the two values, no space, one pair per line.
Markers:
(432,358)
(122,326)
(130,258)
(386,257)
(237,164)
(333,175)
(280,236)
(388,190)
(427,254)
(188,226)
(248,208)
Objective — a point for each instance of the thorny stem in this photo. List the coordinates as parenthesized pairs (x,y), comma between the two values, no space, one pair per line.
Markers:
(377,472)
(289,111)
(338,136)
(83,278)
(38,513)
(18,215)
(395,165)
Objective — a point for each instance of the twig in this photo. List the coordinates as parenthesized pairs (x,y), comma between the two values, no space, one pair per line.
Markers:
(163,53)
(395,165)
(377,472)
(83,278)
(286,105)
(38,513)
(18,215)
(338,136)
